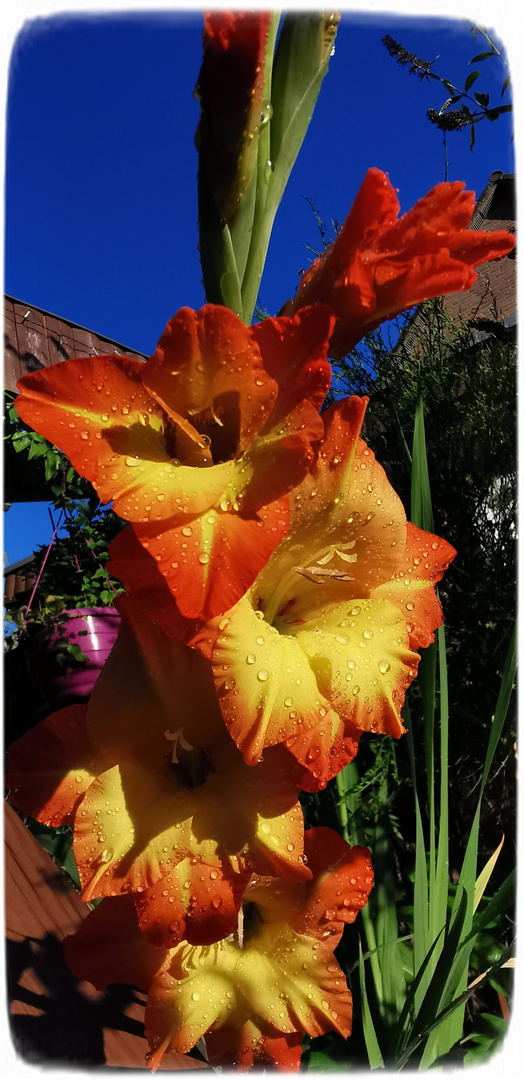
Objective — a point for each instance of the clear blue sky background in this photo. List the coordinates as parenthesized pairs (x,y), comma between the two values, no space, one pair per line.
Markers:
(101,205)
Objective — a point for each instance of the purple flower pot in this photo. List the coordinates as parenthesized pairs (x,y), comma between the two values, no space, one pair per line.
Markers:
(95,631)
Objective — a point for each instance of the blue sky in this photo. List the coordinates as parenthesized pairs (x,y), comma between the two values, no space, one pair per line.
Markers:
(101,208)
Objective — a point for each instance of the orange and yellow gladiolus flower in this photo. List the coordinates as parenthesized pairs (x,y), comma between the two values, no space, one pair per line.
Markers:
(256,993)
(323,646)
(199,446)
(163,805)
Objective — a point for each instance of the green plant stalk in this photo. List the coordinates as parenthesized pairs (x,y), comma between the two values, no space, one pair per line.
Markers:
(374,1053)
(386,919)
(440,897)
(388,955)
(298,63)
(233,256)
(217,255)
(345,781)
(421,936)
(445,1037)
(393,981)
(224,248)
(262,219)
(422,515)
(428,684)
(445,1009)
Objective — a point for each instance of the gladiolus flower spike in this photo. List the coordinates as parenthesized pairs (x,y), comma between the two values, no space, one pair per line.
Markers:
(276,597)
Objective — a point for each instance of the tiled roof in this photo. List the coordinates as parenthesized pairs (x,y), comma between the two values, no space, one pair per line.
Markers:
(494,295)
(34,338)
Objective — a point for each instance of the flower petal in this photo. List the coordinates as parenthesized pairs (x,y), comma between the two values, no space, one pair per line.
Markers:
(412,589)
(339,889)
(257,991)
(312,991)
(138,571)
(198,900)
(361,657)
(130,829)
(294,353)
(314,686)
(347,504)
(52,765)
(150,677)
(348,527)
(286,980)
(375,209)
(211,561)
(134,824)
(198,447)
(108,947)
(97,411)
(184,1001)
(342,881)
(379,266)
(207,367)
(181,787)
(254,1043)
(252,814)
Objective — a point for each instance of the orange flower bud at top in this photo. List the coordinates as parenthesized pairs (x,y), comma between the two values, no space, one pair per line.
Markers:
(230,85)
(381,264)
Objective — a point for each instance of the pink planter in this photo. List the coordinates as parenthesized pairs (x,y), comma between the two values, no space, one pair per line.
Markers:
(95,631)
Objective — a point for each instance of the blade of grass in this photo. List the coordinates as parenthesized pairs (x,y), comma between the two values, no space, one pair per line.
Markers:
(409,1009)
(484,876)
(421,509)
(440,899)
(469,866)
(458,960)
(384,907)
(422,515)
(436,992)
(374,1053)
(421,942)
(346,781)
(450,1009)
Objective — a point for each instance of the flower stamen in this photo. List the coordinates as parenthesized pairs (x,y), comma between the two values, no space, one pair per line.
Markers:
(177,738)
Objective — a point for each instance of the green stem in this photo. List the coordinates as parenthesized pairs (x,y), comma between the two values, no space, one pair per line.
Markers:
(262,222)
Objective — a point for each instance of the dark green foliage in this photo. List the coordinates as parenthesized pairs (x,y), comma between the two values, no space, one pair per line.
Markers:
(73,574)
(468,388)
